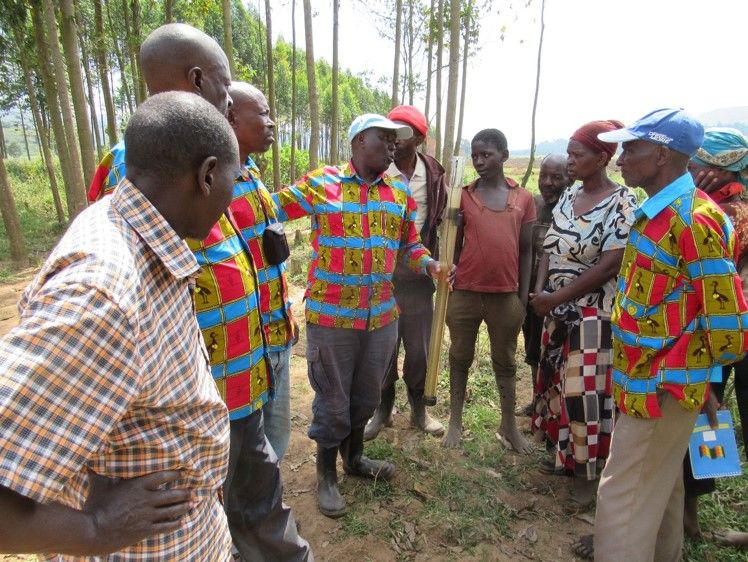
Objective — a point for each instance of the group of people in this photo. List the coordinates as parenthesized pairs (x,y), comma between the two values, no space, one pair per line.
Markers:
(144,394)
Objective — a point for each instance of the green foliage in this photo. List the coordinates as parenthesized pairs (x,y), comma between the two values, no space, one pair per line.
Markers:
(265,163)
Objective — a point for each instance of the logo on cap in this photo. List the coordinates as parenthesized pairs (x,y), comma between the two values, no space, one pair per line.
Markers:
(659,137)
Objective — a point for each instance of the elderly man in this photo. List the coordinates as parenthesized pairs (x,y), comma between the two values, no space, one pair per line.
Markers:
(363,222)
(413,291)
(228,297)
(679,315)
(106,374)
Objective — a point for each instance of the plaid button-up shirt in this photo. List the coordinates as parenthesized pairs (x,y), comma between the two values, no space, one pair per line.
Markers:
(679,311)
(359,231)
(107,371)
(227,299)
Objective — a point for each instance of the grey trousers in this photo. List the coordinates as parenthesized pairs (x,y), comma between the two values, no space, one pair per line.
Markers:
(345,368)
(415,299)
(262,526)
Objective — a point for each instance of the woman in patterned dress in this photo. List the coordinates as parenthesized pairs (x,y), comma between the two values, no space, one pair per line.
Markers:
(574,290)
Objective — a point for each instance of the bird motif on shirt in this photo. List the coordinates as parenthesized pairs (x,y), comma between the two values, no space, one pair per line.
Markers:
(652,323)
(710,241)
(701,350)
(638,285)
(692,395)
(212,345)
(203,291)
(717,296)
(727,345)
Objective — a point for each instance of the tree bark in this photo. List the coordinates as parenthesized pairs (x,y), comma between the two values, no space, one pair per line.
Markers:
(137,39)
(528,172)
(454,70)
(335,119)
(398,41)
(103,67)
(18,251)
(293,91)
(411,47)
(23,131)
(169,11)
(439,61)
(118,52)
(76,189)
(465,55)
(430,58)
(228,40)
(86,63)
(41,128)
(271,96)
(3,149)
(311,77)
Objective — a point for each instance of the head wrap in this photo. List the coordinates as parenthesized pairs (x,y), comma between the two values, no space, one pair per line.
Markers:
(587,135)
(724,148)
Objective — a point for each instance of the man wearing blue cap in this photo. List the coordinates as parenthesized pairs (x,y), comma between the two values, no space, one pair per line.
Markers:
(363,223)
(679,315)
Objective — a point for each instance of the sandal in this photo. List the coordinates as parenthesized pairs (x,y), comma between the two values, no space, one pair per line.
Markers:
(573,506)
(549,468)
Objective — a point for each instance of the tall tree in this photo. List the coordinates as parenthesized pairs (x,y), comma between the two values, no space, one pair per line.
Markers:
(528,172)
(293,90)
(73,63)
(271,94)
(429,59)
(335,118)
(398,42)
(454,70)
(311,78)
(439,61)
(76,190)
(3,148)
(86,62)
(22,123)
(468,19)
(228,40)
(103,67)
(136,39)
(119,53)
(169,11)
(18,252)
(37,113)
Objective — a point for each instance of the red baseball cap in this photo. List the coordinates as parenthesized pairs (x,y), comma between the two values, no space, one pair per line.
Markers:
(410,115)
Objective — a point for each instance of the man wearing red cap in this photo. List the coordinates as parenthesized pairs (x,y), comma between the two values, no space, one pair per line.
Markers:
(413,291)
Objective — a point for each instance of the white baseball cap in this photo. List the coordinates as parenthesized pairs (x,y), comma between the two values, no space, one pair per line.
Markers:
(370,120)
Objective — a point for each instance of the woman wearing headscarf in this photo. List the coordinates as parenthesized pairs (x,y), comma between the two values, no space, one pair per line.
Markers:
(575,289)
(720,168)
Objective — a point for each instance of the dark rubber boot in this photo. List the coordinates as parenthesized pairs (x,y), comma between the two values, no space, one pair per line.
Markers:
(329,500)
(382,415)
(356,464)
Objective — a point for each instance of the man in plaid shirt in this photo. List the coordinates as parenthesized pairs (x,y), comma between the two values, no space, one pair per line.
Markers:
(107,377)
(363,222)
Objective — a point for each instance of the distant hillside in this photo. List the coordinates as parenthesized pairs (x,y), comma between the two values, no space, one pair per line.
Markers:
(543,148)
(726,117)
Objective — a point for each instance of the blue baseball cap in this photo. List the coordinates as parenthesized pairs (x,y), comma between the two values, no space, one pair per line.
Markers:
(370,120)
(670,127)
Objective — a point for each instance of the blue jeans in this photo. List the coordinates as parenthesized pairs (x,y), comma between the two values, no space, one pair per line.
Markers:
(277,412)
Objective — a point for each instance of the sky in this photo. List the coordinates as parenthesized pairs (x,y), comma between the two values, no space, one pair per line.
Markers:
(602,59)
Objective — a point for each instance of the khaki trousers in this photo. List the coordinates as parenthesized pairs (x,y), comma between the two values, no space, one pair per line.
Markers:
(639,515)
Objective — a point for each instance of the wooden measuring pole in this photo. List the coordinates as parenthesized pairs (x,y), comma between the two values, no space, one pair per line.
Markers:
(446,254)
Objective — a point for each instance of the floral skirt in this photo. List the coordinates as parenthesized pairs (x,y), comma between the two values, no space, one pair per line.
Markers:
(573,393)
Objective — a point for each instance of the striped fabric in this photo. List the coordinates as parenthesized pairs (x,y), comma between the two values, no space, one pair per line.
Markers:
(226,300)
(359,232)
(679,311)
(252,204)
(107,372)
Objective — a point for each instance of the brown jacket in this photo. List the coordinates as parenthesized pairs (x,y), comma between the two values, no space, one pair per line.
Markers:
(436,201)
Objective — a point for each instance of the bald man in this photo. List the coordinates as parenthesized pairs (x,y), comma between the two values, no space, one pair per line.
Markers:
(105,380)
(227,303)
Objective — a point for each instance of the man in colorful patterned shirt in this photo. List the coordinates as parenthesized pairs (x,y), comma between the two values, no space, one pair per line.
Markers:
(363,222)
(679,315)
(227,303)
(105,382)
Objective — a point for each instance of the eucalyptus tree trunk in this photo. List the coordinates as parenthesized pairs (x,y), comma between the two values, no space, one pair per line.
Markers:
(439,60)
(465,55)
(454,70)
(398,41)
(40,127)
(18,252)
(430,58)
(228,39)
(75,187)
(119,54)
(271,96)
(86,62)
(103,68)
(73,63)
(335,125)
(312,84)
(528,172)
(169,11)
(293,91)
(23,131)
(137,39)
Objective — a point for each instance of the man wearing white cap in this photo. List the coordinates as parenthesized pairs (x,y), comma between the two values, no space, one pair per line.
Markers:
(679,314)
(363,223)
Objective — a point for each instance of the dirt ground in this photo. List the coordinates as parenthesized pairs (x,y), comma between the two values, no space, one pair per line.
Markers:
(537,529)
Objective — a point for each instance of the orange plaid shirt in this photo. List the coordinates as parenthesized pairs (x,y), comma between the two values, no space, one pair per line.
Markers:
(107,372)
